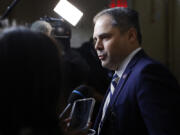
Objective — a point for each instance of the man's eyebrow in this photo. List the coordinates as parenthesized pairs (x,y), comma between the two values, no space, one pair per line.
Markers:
(105,35)
(101,35)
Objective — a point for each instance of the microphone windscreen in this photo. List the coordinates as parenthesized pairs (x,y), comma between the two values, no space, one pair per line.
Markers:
(80,92)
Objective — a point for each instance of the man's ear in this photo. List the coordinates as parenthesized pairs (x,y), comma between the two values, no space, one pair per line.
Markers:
(132,35)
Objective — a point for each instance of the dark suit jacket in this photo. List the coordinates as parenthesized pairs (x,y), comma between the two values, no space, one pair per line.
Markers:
(146,101)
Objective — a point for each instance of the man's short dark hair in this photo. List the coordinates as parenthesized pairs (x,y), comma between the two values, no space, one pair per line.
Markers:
(124,18)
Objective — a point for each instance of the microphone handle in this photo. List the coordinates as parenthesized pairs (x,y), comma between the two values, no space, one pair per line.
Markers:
(67,107)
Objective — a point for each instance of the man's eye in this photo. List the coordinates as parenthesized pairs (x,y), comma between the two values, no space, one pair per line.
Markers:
(105,37)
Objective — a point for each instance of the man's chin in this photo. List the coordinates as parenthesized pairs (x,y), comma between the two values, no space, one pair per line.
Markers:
(103,64)
(106,65)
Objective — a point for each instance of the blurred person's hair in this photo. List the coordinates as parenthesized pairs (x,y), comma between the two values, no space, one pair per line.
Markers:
(30,82)
(41,26)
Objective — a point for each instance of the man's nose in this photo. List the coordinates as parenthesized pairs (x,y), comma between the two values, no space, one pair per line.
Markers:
(98,45)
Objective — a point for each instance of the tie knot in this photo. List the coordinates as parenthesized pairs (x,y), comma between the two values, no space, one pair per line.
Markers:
(115,80)
(115,77)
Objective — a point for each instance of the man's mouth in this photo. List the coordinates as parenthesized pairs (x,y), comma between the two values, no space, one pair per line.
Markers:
(101,57)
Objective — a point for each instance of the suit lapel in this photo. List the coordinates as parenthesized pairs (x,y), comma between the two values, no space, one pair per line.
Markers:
(119,86)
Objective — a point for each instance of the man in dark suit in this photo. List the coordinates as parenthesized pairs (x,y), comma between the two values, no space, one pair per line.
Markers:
(146,99)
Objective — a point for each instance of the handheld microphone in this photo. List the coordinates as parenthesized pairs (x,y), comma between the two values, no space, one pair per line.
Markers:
(80,92)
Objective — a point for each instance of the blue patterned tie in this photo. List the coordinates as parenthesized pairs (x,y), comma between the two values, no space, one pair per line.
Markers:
(114,82)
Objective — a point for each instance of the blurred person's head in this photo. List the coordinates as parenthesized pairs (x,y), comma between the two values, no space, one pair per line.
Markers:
(61,32)
(30,82)
(41,26)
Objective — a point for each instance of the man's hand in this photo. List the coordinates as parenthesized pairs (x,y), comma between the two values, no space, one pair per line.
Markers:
(66,131)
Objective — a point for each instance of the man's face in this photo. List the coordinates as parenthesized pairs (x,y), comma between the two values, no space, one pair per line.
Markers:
(110,44)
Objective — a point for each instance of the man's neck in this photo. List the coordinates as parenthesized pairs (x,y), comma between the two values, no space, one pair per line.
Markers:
(126,61)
